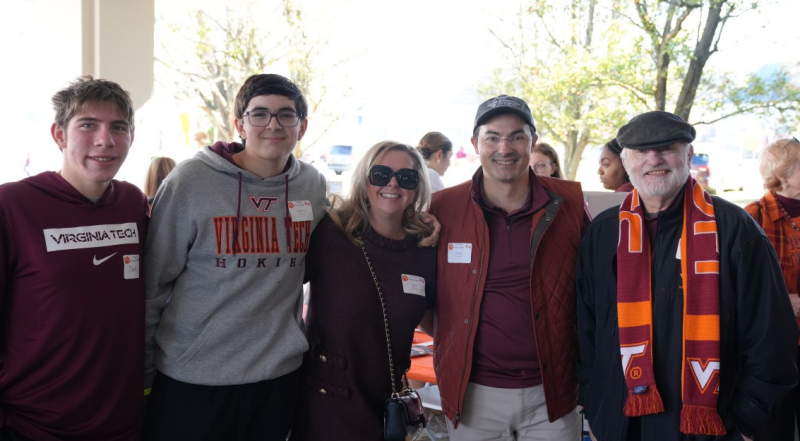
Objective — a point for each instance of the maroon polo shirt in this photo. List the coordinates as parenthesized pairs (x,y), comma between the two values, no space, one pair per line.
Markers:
(504,354)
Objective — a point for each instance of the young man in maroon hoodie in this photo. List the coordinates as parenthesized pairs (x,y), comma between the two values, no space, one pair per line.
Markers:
(72,293)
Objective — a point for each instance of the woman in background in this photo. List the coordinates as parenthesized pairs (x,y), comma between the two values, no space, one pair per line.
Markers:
(346,377)
(612,173)
(160,167)
(778,213)
(544,161)
(437,150)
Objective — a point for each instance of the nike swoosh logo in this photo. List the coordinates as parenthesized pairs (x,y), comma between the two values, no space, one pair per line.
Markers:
(98,262)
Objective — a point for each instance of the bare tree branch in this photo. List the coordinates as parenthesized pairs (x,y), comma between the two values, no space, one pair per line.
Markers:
(747,110)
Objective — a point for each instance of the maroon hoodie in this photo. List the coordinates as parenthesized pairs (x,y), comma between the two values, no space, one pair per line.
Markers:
(71,310)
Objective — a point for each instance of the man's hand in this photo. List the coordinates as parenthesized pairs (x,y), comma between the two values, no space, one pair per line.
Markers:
(795,299)
(433,239)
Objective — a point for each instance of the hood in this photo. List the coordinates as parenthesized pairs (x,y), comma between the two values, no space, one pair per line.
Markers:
(55,185)
(219,156)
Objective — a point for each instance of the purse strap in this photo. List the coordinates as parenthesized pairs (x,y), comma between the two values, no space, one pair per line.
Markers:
(395,393)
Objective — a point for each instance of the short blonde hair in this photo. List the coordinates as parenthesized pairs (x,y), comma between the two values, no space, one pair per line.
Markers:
(778,161)
(352,214)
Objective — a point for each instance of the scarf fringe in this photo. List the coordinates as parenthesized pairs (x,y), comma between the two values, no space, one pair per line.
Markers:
(645,403)
(700,420)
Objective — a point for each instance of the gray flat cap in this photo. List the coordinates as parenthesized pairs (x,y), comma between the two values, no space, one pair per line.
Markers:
(654,129)
(504,104)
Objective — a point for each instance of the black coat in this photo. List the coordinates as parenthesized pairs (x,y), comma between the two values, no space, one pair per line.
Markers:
(346,370)
(759,334)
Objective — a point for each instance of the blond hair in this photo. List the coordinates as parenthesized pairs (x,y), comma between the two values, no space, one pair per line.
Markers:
(159,169)
(779,161)
(352,214)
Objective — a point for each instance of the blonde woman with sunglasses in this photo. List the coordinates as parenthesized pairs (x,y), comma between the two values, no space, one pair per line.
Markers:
(369,242)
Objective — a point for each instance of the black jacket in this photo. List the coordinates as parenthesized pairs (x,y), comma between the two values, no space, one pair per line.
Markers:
(758,331)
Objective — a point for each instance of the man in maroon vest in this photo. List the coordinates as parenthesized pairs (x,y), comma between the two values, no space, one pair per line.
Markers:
(506,342)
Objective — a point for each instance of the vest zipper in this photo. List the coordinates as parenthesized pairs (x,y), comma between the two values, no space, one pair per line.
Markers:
(471,325)
(547,219)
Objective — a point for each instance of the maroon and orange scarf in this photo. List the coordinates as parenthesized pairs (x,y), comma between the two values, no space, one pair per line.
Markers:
(699,254)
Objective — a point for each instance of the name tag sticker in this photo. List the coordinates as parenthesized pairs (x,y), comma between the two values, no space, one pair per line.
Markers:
(459,253)
(131,262)
(301,211)
(678,253)
(413,284)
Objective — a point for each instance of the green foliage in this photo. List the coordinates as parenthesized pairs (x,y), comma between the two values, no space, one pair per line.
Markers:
(586,67)
(578,85)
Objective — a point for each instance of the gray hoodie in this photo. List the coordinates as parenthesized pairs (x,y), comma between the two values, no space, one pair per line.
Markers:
(224,270)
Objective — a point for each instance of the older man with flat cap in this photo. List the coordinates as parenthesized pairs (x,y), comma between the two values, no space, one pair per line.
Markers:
(685,327)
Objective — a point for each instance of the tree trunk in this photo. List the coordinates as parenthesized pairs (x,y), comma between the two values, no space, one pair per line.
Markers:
(661,81)
(573,152)
(590,27)
(702,52)
(570,151)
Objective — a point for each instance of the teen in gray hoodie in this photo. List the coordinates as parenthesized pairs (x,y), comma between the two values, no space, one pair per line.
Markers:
(225,261)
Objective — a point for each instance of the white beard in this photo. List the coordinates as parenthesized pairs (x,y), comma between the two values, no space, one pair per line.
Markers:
(656,188)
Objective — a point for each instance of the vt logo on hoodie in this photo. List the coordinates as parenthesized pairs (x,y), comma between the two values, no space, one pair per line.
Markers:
(262,203)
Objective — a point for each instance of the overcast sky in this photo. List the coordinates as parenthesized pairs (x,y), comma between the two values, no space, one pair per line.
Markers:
(423,61)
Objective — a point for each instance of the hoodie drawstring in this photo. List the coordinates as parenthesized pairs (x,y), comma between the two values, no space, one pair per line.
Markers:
(238,215)
(288,218)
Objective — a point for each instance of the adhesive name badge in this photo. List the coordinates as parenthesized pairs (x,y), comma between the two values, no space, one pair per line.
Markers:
(678,253)
(301,211)
(131,265)
(413,284)
(459,253)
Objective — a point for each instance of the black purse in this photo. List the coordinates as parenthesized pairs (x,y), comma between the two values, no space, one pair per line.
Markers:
(403,415)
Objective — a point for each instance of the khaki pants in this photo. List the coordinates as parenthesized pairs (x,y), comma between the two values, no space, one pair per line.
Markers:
(511,414)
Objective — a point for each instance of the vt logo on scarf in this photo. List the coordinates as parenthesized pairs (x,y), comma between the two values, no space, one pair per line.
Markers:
(699,251)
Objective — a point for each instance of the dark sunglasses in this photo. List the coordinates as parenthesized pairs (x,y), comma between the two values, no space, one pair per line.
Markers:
(380,175)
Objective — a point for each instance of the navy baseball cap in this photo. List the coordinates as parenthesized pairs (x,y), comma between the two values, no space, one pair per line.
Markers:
(503,104)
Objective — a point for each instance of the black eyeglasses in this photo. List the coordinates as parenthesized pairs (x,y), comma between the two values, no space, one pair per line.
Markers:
(262,118)
(380,175)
